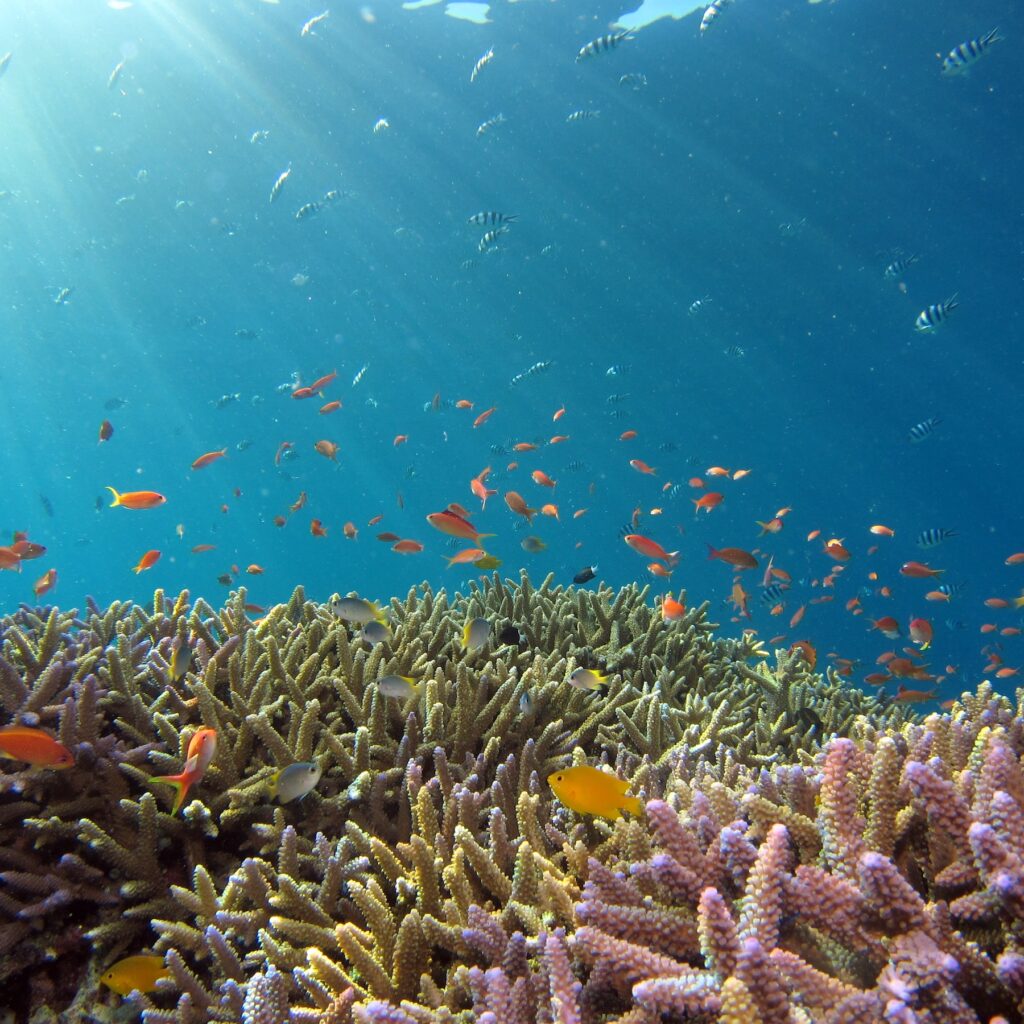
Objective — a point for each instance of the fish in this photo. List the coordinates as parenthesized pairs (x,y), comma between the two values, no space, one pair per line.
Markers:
(541,478)
(294,782)
(587,679)
(934,537)
(517,504)
(375,632)
(919,570)
(933,316)
(34,747)
(897,267)
(481,64)
(201,748)
(492,122)
(475,633)
(602,44)
(582,115)
(357,610)
(711,12)
(106,431)
(113,404)
(136,499)
(494,218)
(260,135)
(633,80)
(531,371)
(307,29)
(532,545)
(206,459)
(962,58)
(651,549)
(225,400)
(671,609)
(455,525)
(147,561)
(381,125)
(641,467)
(407,547)
(707,501)
(399,687)
(115,74)
(307,210)
(488,562)
(5,61)
(733,556)
(585,575)
(489,238)
(360,374)
(181,660)
(920,631)
(279,184)
(922,431)
(328,449)
(589,790)
(135,973)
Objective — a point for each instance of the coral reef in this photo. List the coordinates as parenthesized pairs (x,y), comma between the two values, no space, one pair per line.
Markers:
(807,853)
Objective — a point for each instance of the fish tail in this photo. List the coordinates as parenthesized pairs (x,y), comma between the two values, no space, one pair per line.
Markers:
(480,536)
(633,804)
(712,553)
(673,559)
(117,497)
(180,784)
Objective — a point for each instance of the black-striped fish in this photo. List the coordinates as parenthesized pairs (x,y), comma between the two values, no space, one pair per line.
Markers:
(279,184)
(934,537)
(962,58)
(490,238)
(930,318)
(922,431)
(773,594)
(899,265)
(481,64)
(602,44)
(492,217)
(491,122)
(583,115)
(307,210)
(618,369)
(712,11)
(951,590)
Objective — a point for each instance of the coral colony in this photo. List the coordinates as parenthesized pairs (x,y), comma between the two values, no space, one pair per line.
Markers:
(350,851)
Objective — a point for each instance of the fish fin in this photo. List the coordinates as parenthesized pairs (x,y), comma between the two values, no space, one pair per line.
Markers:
(633,804)
(117,497)
(180,784)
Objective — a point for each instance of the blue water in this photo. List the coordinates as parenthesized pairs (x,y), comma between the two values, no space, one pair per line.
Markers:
(149,201)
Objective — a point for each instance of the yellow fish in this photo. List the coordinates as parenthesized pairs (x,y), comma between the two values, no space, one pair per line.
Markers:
(589,790)
(141,972)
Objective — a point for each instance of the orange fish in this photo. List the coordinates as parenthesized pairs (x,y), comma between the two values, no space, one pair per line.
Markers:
(708,501)
(671,609)
(407,547)
(322,382)
(106,431)
(1006,671)
(739,474)
(516,503)
(813,535)
(34,747)
(905,696)
(350,531)
(834,549)
(136,499)
(459,510)
(920,631)
(400,439)
(1016,559)
(147,561)
(887,626)
(281,449)
(657,569)
(549,510)
(463,403)
(279,521)
(455,525)
(201,749)
(734,556)
(524,446)
(641,467)
(996,602)
(716,471)
(299,502)
(919,570)
(579,512)
(388,537)
(328,449)
(45,583)
(627,435)
(738,598)
(330,407)
(375,520)
(484,417)
(466,555)
(809,653)
(696,481)
(772,526)
(559,439)
(317,528)
(797,617)
(303,393)
(651,549)
(254,569)
(205,460)
(198,549)
(25,549)
(883,531)
(480,489)
(541,478)
(937,595)
(559,413)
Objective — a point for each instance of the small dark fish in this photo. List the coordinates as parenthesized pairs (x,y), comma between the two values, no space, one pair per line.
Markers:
(585,575)
(934,537)
(47,505)
(774,593)
(923,430)
(492,217)
(115,403)
(100,504)
(509,635)
(225,579)
(246,334)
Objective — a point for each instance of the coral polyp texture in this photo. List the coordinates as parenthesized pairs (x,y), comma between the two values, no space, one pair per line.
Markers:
(805,853)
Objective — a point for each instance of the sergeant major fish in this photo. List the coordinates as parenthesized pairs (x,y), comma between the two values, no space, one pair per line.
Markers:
(492,217)
(279,184)
(962,58)
(932,317)
(602,44)
(481,64)
(490,237)
(712,11)
(582,115)
(491,122)
(307,29)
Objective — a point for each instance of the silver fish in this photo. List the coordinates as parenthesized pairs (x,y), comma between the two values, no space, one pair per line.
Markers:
(279,184)
(295,781)
(491,237)
(355,609)
(481,64)
(491,122)
(307,29)
(492,217)
(116,74)
(602,44)
(360,374)
(400,687)
(582,115)
(713,10)
(962,58)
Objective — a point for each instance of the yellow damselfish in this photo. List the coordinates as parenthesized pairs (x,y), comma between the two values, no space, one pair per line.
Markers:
(141,972)
(591,791)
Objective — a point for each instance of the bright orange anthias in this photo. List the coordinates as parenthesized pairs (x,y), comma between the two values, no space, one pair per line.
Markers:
(201,749)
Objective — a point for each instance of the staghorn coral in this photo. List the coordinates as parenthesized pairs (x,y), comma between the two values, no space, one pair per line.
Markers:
(432,849)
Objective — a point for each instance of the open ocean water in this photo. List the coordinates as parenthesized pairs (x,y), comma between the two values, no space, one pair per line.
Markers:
(718,234)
